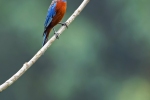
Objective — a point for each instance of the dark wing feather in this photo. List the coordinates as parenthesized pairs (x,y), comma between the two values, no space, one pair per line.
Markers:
(50,14)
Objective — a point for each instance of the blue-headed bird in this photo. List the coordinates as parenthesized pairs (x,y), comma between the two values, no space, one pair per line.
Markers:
(56,12)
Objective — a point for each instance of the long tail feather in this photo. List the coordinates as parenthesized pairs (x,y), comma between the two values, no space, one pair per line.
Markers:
(45,35)
(45,38)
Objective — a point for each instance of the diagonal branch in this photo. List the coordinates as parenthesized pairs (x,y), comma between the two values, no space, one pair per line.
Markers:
(27,65)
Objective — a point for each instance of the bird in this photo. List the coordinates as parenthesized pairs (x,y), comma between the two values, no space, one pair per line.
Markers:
(56,12)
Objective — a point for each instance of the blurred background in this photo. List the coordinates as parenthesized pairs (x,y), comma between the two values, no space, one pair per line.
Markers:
(103,55)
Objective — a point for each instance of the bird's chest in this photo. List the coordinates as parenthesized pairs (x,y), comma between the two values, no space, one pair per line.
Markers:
(60,7)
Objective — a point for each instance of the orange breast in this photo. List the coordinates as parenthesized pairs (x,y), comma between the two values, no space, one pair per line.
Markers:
(60,11)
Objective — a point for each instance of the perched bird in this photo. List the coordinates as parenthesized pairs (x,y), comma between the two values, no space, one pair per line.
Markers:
(55,13)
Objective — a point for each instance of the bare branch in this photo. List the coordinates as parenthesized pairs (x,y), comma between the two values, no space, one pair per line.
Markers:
(27,65)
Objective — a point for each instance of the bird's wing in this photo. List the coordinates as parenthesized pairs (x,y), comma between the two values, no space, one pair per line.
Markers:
(50,14)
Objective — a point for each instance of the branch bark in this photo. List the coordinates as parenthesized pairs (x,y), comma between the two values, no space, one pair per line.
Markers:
(27,65)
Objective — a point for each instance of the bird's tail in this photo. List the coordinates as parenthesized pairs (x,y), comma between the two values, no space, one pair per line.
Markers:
(45,37)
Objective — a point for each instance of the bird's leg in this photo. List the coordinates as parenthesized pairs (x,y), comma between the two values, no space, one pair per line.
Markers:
(63,24)
(55,33)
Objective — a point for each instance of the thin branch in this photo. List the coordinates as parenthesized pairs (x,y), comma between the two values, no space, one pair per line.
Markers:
(27,65)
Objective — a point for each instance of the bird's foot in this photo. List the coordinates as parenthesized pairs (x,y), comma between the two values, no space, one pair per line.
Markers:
(63,24)
(56,34)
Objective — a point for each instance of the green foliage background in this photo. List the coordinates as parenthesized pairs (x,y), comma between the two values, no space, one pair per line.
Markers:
(104,55)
